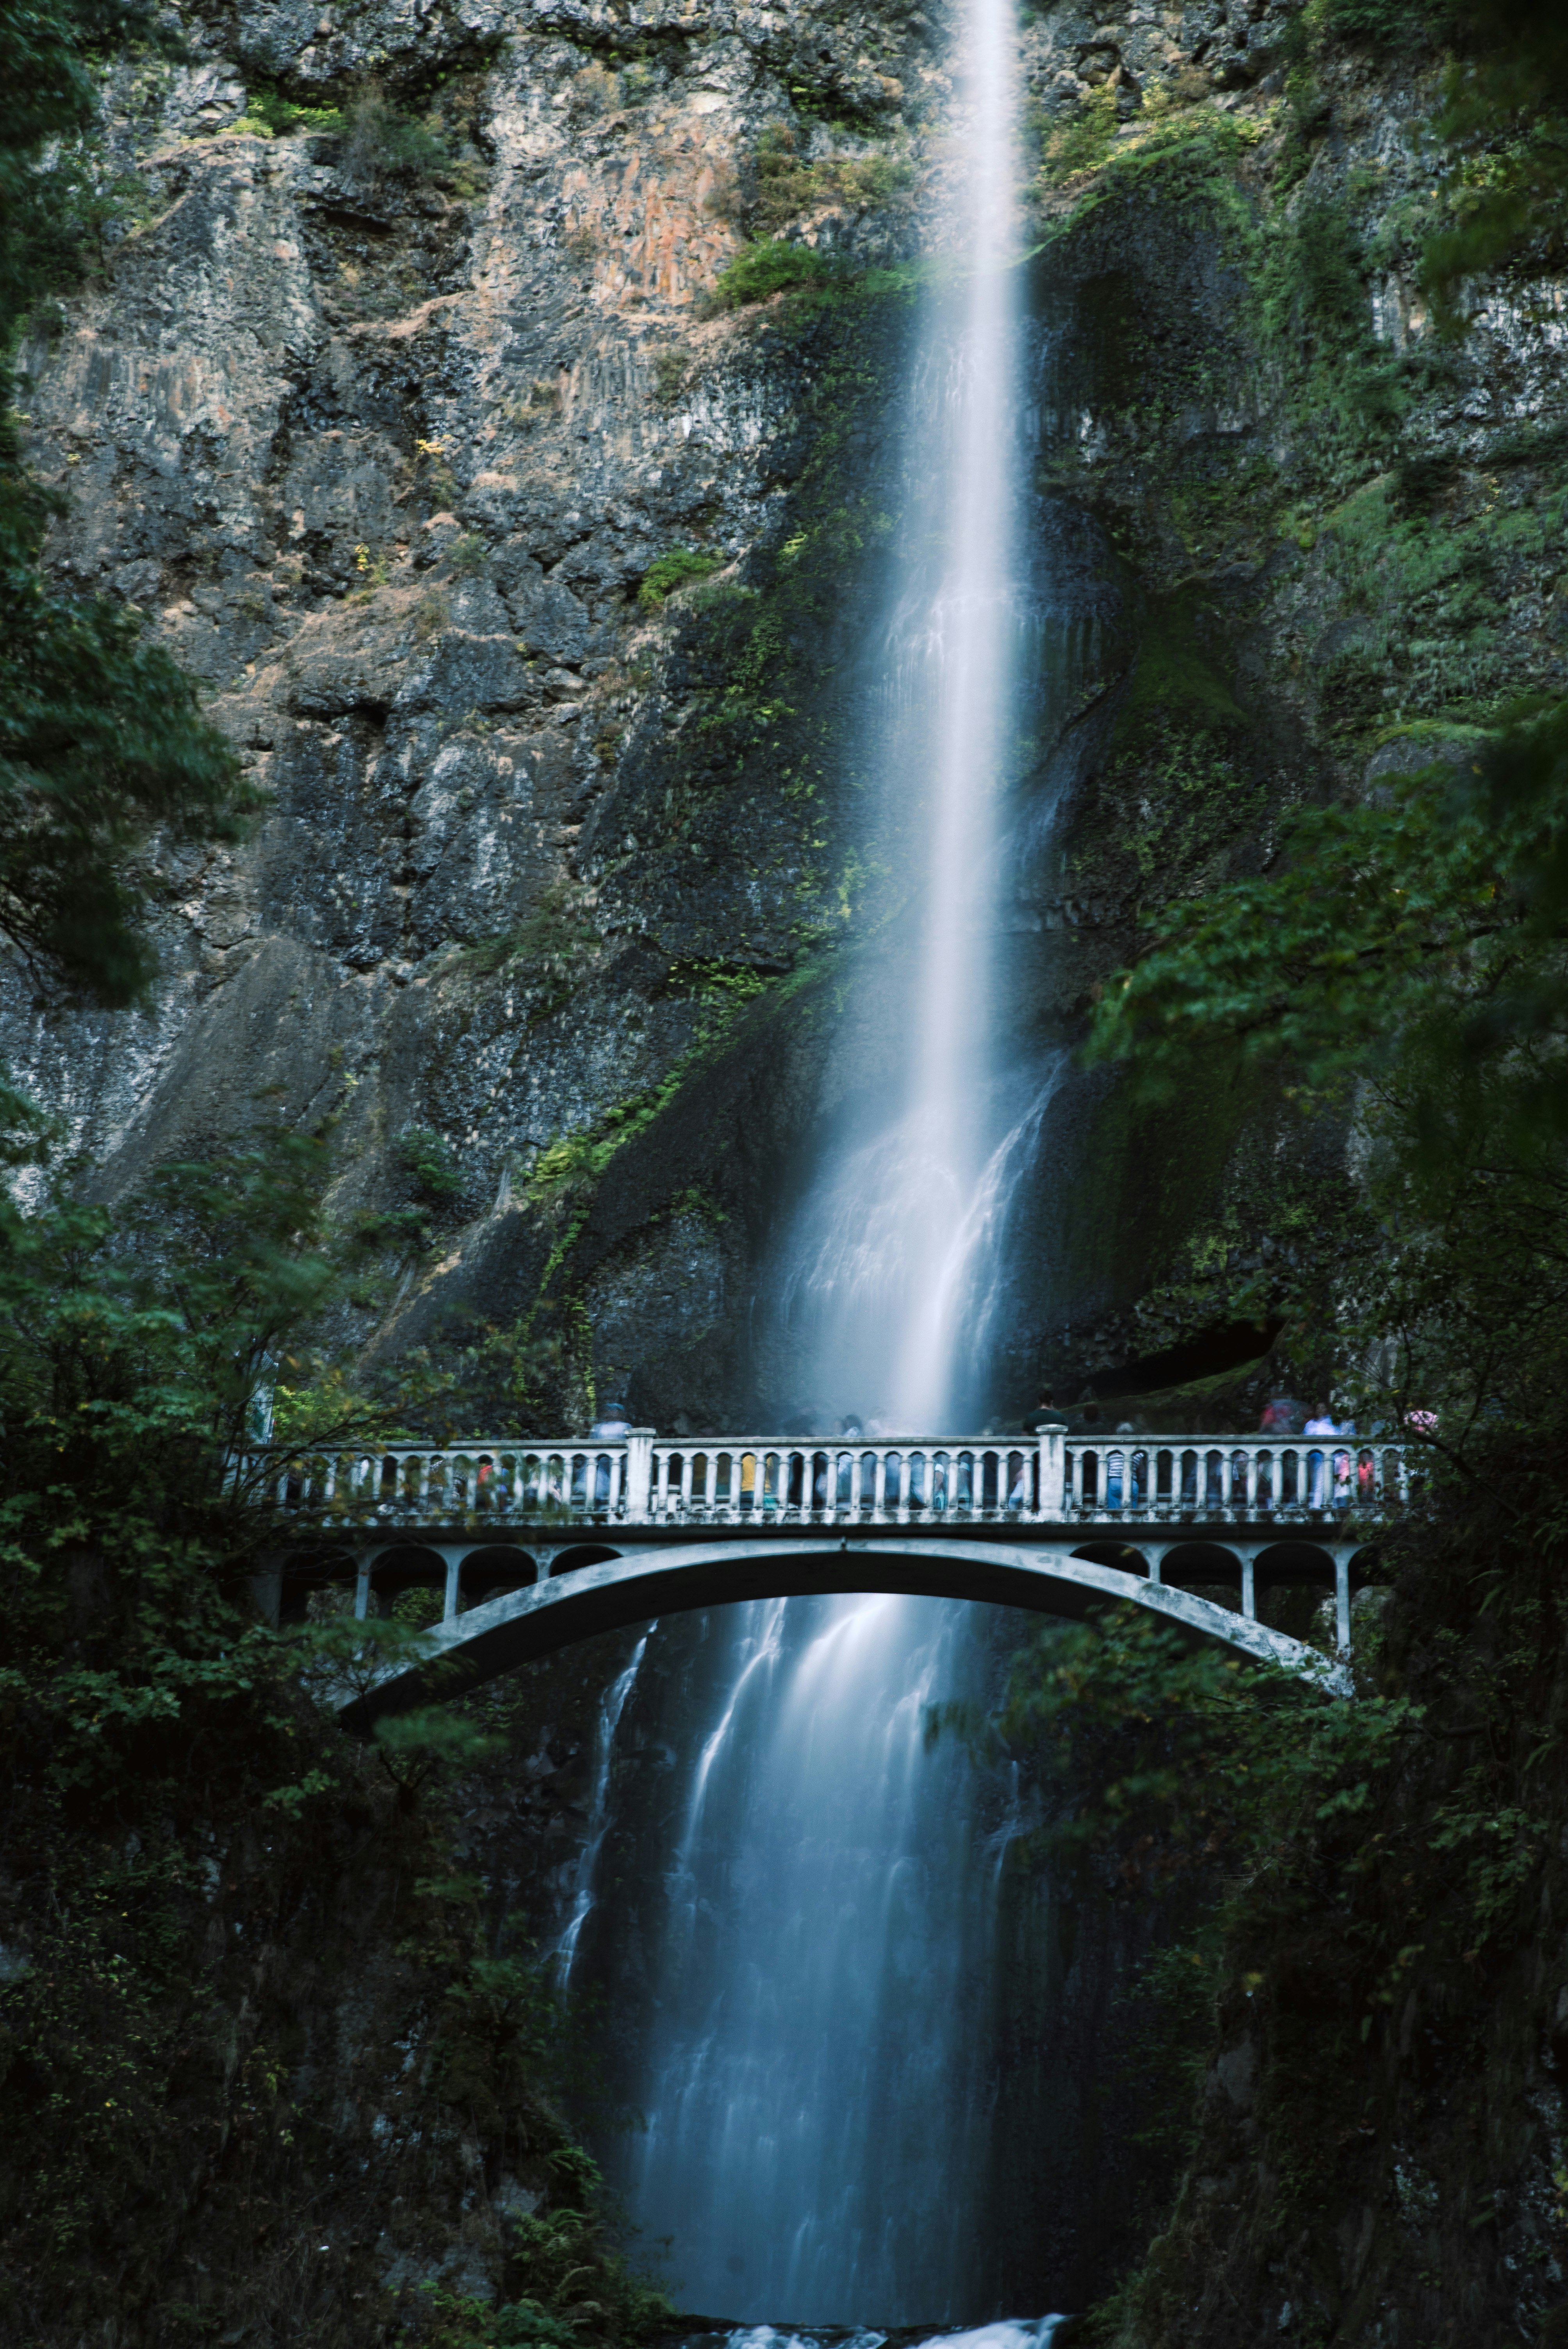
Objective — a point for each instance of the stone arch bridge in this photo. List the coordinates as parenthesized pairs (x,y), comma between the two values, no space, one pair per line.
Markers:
(533,1546)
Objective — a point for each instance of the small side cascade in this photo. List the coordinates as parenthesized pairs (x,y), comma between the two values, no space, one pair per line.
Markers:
(611,1707)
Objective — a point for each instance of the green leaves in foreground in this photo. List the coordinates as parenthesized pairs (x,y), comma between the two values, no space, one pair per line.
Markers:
(1184,1759)
(1442,898)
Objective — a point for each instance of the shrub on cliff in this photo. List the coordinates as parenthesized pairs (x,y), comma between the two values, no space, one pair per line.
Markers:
(776,267)
(679,568)
(380,143)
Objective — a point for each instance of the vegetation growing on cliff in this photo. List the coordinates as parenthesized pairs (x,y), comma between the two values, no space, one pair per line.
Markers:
(102,742)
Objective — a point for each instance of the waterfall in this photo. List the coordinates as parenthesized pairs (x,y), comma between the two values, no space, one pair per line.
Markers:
(612,1705)
(816,2127)
(814,1971)
(957,649)
(902,1235)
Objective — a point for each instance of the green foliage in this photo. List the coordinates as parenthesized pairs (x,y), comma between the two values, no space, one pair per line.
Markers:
(427,1157)
(279,115)
(558,945)
(179,1798)
(135,1342)
(774,266)
(1503,198)
(1440,899)
(1185,157)
(788,185)
(1183,1758)
(1082,141)
(1393,27)
(49,208)
(101,739)
(676,569)
(672,369)
(1403,1878)
(554,2254)
(380,143)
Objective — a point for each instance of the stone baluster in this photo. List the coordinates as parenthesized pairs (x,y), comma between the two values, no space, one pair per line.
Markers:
(879,1496)
(688,1463)
(1078,1457)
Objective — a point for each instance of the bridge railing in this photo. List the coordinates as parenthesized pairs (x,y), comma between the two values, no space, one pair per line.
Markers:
(757,1480)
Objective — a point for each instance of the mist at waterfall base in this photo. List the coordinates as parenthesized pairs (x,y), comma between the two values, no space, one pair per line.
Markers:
(798,1932)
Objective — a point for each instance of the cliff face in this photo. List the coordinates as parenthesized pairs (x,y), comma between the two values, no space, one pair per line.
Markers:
(385,429)
(388,426)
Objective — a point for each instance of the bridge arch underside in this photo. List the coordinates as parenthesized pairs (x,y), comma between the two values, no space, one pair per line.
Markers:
(1207,1562)
(395,1568)
(520,1625)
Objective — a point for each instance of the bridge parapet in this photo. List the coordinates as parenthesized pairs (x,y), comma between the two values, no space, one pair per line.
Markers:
(760,1482)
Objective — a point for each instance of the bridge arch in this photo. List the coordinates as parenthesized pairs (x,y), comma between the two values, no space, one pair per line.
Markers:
(1201,1561)
(582,1554)
(1298,1561)
(518,1626)
(500,1566)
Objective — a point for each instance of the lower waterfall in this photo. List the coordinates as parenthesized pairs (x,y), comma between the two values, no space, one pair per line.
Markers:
(812,2066)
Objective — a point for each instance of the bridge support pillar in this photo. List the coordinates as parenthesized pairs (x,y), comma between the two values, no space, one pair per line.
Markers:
(452,1603)
(267,1588)
(1249,1593)
(639,1473)
(1342,1600)
(362,1590)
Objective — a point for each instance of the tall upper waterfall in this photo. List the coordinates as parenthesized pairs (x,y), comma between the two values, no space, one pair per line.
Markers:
(896,1250)
(953,657)
(812,1963)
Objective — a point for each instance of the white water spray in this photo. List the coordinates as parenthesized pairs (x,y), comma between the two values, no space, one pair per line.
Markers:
(612,1705)
(964,650)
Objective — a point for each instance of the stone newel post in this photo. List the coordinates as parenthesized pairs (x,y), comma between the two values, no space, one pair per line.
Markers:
(1053,1470)
(639,1472)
